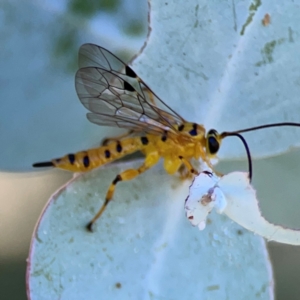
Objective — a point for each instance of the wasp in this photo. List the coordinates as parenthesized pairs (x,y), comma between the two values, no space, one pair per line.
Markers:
(116,96)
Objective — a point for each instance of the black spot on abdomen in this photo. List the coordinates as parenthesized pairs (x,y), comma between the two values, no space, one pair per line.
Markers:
(71,158)
(86,161)
(119,148)
(107,153)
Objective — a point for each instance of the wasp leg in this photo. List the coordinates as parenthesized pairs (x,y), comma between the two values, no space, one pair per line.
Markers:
(189,166)
(213,169)
(150,160)
(184,172)
(116,138)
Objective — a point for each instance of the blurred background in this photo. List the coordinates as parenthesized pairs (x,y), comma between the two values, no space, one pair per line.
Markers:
(39,108)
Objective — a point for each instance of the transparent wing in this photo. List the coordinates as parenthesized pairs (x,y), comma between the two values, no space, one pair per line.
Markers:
(122,122)
(116,96)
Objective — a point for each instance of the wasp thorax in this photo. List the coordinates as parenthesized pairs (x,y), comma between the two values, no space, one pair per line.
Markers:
(192,129)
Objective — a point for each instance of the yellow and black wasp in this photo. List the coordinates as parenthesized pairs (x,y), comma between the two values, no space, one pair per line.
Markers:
(116,96)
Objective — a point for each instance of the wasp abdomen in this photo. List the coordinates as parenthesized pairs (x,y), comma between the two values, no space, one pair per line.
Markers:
(87,160)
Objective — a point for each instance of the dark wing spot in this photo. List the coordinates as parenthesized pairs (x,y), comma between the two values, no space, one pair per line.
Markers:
(107,153)
(193,132)
(86,161)
(144,140)
(119,148)
(128,87)
(71,158)
(129,72)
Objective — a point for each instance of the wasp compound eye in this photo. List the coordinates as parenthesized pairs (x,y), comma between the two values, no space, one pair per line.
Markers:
(213,144)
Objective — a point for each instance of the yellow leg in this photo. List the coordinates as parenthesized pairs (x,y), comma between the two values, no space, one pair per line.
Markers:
(130,174)
(212,167)
(184,172)
(189,166)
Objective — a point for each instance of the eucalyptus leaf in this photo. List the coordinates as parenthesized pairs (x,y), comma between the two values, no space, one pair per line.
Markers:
(142,247)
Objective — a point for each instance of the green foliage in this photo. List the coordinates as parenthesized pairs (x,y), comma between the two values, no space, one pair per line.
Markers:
(89,8)
(134,28)
(66,48)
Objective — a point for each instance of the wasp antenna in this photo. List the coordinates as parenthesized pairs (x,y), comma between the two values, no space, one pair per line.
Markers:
(268,126)
(43,164)
(237,133)
(225,134)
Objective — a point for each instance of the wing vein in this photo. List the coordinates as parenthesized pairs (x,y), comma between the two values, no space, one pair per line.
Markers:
(115,96)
